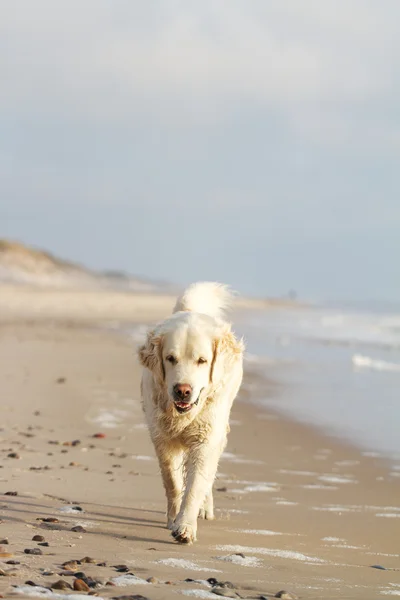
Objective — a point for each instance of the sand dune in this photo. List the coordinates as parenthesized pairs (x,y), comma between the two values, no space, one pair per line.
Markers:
(21,264)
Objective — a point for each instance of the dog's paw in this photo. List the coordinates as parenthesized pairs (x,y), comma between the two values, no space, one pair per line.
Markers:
(184,533)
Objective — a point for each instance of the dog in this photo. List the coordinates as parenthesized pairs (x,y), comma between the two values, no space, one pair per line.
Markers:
(193,369)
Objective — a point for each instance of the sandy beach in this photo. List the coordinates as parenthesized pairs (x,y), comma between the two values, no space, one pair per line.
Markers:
(297,510)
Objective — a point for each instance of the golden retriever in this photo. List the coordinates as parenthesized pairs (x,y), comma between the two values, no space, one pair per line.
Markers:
(193,371)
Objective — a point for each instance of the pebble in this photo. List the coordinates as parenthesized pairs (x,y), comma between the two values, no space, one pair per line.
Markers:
(11,494)
(152,580)
(61,380)
(13,455)
(49,520)
(93,583)
(88,559)
(378,567)
(44,544)
(61,584)
(3,573)
(4,541)
(31,583)
(99,435)
(222,489)
(38,538)
(33,551)
(13,562)
(286,595)
(226,584)
(81,586)
(121,568)
(132,597)
(70,565)
(45,468)
(78,529)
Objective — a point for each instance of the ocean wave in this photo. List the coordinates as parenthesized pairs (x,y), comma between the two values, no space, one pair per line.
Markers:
(365,362)
(255,359)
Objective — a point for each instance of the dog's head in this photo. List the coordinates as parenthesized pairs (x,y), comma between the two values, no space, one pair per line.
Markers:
(189,355)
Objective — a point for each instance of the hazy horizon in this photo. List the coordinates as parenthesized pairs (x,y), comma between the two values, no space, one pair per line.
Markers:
(252,143)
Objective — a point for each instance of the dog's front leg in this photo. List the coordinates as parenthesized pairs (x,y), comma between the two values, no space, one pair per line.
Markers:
(202,466)
(171,465)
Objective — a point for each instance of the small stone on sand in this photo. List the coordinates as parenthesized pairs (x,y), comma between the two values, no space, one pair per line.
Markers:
(81,586)
(33,551)
(88,559)
(61,584)
(70,565)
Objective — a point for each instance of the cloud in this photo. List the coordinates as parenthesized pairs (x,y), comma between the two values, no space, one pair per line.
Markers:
(189,63)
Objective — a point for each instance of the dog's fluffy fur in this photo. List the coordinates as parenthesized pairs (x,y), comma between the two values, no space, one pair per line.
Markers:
(195,350)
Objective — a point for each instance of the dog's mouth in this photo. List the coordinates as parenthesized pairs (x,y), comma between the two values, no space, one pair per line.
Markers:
(184,407)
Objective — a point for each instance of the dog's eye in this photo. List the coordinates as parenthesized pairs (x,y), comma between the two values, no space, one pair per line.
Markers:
(171,359)
(201,361)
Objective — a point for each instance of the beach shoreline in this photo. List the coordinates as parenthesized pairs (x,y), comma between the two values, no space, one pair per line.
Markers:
(297,509)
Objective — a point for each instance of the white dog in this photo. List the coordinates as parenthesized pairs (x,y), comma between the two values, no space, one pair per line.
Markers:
(193,371)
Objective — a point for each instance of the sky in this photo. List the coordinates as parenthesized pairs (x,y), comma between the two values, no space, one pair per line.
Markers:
(254,142)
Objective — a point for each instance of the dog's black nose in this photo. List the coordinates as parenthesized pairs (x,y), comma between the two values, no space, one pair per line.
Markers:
(182,391)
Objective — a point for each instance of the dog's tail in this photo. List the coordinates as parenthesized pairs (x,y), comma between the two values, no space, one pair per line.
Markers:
(205,297)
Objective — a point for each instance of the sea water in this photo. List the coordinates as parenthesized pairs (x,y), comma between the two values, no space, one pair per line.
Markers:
(339,368)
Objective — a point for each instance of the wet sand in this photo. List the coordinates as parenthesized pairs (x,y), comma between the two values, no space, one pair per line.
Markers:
(297,510)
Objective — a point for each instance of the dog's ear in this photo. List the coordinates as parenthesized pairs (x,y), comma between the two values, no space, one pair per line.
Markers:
(150,355)
(227,350)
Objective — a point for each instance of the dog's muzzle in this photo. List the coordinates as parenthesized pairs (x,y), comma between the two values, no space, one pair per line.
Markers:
(184,406)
